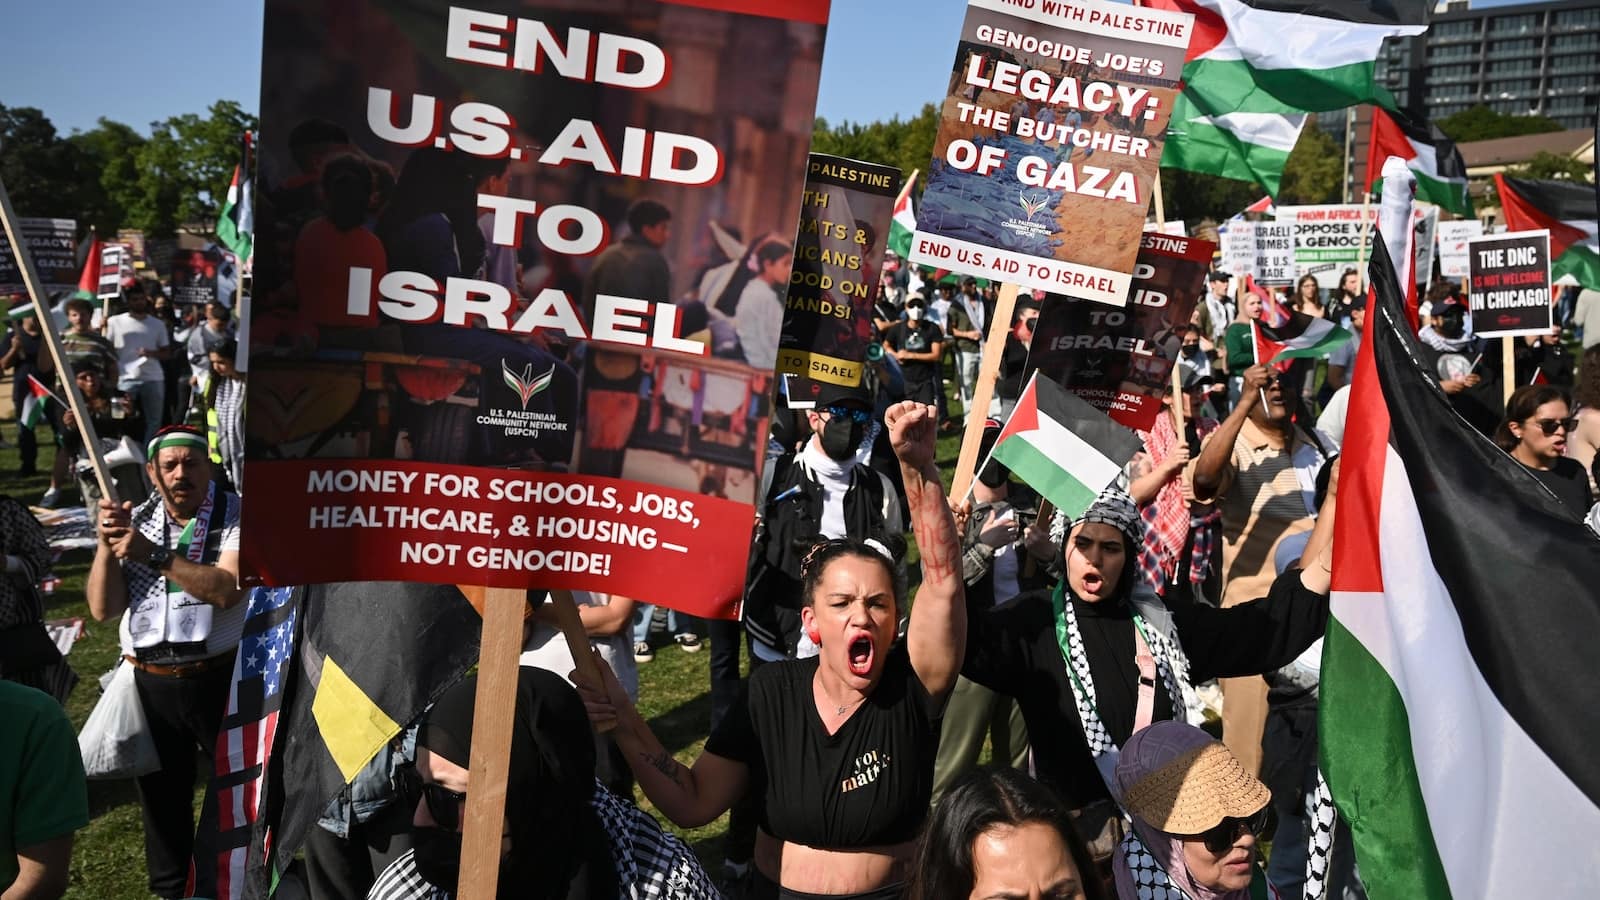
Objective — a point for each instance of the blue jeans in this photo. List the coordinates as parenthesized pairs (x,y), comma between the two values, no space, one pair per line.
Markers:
(645,612)
(152,397)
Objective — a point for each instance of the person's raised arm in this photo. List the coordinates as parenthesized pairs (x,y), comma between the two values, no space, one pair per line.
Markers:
(690,796)
(936,637)
(1217,454)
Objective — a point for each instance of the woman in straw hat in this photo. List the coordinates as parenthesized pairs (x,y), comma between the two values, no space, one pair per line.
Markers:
(1197,816)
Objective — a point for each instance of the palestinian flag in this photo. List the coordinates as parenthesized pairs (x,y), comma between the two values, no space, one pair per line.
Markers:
(1264,205)
(368,658)
(23,310)
(1283,333)
(904,222)
(1255,68)
(236,224)
(89,278)
(1433,158)
(36,405)
(1459,702)
(1568,210)
(1062,447)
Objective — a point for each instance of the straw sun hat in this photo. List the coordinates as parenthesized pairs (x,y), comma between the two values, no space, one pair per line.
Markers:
(1180,780)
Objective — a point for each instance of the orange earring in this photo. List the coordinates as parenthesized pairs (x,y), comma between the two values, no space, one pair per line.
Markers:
(815,636)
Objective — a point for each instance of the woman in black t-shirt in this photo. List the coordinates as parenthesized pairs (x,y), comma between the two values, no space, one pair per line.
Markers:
(839,747)
(1538,423)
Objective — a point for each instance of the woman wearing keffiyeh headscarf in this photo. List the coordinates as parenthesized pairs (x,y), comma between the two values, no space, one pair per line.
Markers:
(1099,656)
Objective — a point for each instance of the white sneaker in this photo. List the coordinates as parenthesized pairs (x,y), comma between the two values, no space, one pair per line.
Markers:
(642,652)
(688,641)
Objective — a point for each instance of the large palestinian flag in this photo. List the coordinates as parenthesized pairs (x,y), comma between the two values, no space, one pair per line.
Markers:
(1062,447)
(1568,210)
(1254,69)
(1431,156)
(1459,697)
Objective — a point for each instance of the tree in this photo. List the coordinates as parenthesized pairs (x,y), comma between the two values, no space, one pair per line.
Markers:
(42,172)
(1480,123)
(184,169)
(1315,170)
(907,145)
(112,150)
(1547,165)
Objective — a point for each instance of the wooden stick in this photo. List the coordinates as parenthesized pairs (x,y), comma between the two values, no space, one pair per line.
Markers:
(1508,367)
(571,625)
(1177,399)
(993,348)
(1161,210)
(1361,243)
(493,716)
(58,354)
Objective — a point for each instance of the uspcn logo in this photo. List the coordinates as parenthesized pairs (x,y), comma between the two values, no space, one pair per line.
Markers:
(526,385)
(1033,205)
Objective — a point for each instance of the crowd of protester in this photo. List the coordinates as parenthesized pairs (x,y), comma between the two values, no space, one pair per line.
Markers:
(1095,655)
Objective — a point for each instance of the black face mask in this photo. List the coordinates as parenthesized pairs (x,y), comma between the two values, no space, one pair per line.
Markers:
(1452,326)
(437,854)
(1192,350)
(841,436)
(992,475)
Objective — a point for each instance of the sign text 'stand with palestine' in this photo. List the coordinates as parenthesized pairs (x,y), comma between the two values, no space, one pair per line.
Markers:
(1049,141)
(509,373)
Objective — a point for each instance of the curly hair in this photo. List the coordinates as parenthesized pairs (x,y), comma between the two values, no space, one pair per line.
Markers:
(1587,394)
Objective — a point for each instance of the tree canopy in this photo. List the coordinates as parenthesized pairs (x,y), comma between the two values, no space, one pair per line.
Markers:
(113,177)
(1480,123)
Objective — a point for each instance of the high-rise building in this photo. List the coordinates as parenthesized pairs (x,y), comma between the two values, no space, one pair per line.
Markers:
(1529,59)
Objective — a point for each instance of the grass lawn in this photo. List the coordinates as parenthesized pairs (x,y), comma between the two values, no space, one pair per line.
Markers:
(108,856)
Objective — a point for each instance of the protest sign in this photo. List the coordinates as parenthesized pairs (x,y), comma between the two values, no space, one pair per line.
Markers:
(1274,262)
(1509,278)
(1048,143)
(1119,360)
(1453,239)
(194,276)
(134,241)
(53,243)
(113,260)
(1425,222)
(1327,240)
(827,319)
(1238,241)
(419,412)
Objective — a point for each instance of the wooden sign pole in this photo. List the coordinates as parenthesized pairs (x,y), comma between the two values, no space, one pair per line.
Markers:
(1361,246)
(1508,367)
(58,354)
(993,348)
(494,712)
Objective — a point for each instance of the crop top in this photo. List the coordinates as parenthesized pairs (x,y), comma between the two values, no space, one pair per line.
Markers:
(867,785)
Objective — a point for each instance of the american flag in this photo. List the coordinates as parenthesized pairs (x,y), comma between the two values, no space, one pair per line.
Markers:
(244,744)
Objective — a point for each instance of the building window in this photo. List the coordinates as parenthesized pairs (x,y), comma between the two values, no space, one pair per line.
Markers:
(1566,43)
(1571,82)
(1577,18)
(1522,24)
(1453,30)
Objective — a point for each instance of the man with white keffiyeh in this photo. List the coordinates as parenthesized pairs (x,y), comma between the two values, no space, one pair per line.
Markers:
(1098,657)
(170,568)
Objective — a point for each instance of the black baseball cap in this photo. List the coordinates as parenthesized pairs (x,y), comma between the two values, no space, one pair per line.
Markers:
(838,395)
(1218,276)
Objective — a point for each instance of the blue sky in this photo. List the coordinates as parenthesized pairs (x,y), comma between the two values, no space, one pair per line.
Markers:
(140,62)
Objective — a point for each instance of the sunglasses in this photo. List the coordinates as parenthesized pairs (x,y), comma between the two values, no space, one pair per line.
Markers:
(1549,426)
(859,416)
(444,805)
(1220,838)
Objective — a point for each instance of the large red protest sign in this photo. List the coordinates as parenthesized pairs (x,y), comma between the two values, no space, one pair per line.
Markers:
(484,349)
(1120,360)
(1049,142)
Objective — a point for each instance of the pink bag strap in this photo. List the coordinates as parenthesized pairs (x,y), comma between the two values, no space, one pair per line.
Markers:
(1146,662)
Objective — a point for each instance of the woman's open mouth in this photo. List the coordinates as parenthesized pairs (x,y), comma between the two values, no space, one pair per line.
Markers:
(1092,582)
(860,655)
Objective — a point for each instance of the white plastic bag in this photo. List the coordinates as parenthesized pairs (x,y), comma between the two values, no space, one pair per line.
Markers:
(115,741)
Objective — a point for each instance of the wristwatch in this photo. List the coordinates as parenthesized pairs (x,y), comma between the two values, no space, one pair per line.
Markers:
(159,559)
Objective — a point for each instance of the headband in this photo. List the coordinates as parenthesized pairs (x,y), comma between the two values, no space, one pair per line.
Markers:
(175,438)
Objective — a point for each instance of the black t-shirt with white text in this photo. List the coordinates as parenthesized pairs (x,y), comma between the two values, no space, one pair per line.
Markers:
(916,337)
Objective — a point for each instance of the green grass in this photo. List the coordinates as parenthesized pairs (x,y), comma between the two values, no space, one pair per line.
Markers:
(108,855)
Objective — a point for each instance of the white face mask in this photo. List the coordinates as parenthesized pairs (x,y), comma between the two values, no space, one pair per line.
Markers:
(913,313)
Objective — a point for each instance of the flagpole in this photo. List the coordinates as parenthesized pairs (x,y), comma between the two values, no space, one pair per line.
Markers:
(1361,244)
(910,183)
(1508,368)
(52,340)
(982,392)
